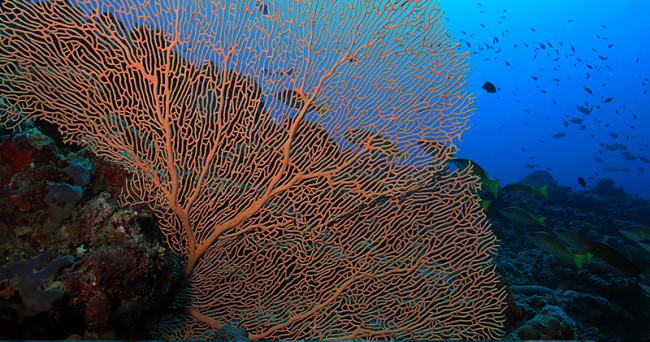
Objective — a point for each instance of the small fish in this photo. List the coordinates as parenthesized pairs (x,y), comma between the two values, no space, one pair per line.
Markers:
(558,135)
(527,189)
(261,6)
(611,256)
(485,204)
(489,87)
(571,239)
(492,185)
(629,156)
(588,91)
(523,216)
(552,244)
(638,234)
(584,110)
(582,182)
(352,59)
(608,100)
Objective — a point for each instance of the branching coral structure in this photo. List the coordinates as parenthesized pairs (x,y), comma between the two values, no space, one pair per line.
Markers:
(281,153)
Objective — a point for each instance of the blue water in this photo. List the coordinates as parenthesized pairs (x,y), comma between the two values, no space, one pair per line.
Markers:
(512,130)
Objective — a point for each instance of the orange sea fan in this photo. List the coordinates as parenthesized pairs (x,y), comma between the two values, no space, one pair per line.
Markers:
(288,229)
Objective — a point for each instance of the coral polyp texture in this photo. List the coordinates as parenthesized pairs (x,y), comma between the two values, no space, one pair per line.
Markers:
(279,150)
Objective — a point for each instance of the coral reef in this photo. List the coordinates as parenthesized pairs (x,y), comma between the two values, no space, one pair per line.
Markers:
(29,280)
(552,298)
(551,323)
(111,261)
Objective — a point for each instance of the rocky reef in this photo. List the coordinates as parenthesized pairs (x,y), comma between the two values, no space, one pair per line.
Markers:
(552,297)
(73,263)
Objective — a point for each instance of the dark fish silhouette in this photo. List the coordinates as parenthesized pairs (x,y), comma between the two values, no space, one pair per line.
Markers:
(527,189)
(521,215)
(559,135)
(588,91)
(582,182)
(554,245)
(612,257)
(608,100)
(584,110)
(262,7)
(489,87)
